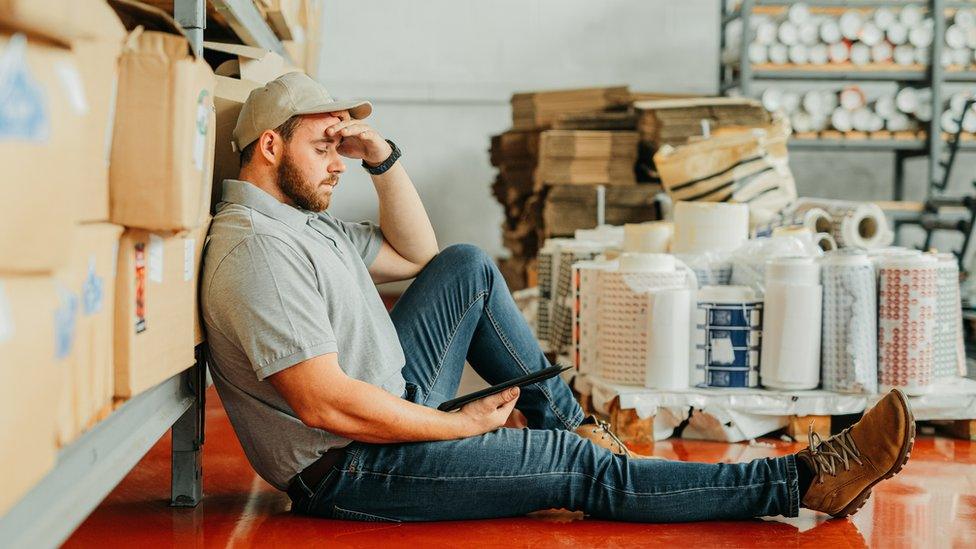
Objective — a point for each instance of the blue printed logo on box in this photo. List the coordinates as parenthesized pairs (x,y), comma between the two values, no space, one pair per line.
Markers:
(23,104)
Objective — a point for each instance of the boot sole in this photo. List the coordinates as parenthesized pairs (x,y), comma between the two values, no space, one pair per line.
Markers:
(906,453)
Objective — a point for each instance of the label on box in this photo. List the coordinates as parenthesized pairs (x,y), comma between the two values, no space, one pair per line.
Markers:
(6,317)
(23,111)
(155,259)
(65,320)
(73,86)
(140,293)
(92,290)
(188,246)
(200,135)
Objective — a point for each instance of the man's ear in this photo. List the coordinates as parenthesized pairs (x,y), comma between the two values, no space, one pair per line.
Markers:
(270,146)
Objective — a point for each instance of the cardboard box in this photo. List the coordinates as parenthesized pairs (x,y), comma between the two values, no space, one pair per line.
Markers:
(162,146)
(98,63)
(30,372)
(87,384)
(156,316)
(41,126)
(62,21)
(284,17)
(248,68)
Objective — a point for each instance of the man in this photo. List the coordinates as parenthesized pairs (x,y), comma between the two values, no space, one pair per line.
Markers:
(334,400)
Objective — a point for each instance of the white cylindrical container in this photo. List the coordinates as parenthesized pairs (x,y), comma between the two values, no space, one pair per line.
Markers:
(906,322)
(849,343)
(709,227)
(791,324)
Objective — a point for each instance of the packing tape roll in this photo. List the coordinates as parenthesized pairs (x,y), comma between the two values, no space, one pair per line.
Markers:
(849,346)
(906,322)
(709,227)
(855,224)
(727,337)
(792,304)
(651,237)
(949,352)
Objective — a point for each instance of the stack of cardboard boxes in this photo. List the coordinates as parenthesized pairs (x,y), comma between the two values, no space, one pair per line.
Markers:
(106,143)
(562,145)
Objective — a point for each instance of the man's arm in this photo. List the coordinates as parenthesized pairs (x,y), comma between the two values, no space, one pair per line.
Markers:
(324,397)
(409,237)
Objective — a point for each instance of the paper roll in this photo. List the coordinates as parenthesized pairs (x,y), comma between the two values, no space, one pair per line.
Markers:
(855,224)
(791,325)
(826,242)
(586,302)
(849,345)
(646,263)
(709,227)
(652,237)
(625,316)
(727,337)
(949,354)
(667,344)
(816,220)
(906,322)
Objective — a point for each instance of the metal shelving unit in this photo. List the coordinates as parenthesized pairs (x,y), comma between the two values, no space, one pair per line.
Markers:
(934,76)
(90,467)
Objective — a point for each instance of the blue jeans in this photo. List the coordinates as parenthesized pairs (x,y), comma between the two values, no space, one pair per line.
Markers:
(458,308)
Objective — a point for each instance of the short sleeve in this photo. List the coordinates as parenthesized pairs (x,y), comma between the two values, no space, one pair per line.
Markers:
(264,297)
(366,236)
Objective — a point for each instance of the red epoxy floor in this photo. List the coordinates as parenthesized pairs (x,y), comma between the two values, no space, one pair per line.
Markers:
(932,503)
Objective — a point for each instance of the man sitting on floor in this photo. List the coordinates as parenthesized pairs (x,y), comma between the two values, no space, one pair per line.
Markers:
(334,400)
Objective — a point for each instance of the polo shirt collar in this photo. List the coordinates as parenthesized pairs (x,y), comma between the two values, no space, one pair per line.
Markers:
(248,195)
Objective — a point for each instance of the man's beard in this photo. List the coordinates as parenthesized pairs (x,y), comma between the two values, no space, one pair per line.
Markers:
(299,190)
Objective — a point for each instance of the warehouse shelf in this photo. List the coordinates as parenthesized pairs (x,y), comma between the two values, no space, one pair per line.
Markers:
(933,75)
(864,145)
(89,468)
(246,21)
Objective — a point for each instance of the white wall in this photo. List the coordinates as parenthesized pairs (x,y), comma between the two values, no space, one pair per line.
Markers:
(441,72)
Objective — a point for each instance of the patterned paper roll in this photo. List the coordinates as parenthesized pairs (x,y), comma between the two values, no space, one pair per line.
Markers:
(791,324)
(950,355)
(727,337)
(906,322)
(849,344)
(709,227)
(626,314)
(855,224)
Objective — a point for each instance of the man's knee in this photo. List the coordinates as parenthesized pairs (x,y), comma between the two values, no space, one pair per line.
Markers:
(465,257)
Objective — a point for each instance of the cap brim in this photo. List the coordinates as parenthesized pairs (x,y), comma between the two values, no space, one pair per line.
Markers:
(357,109)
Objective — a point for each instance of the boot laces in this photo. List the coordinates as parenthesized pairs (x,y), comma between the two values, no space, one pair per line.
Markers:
(828,454)
(604,428)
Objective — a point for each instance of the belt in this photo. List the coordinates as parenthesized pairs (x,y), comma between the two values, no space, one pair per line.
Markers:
(310,477)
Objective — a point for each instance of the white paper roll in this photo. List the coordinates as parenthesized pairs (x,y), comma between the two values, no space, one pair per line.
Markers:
(855,224)
(839,52)
(652,237)
(631,262)
(870,34)
(709,227)
(910,15)
(758,53)
(766,33)
(830,32)
(860,53)
(826,242)
(840,119)
(907,100)
(668,344)
(799,54)
(906,323)
(779,54)
(949,354)
(791,325)
(904,54)
(881,52)
(896,33)
(849,350)
(850,23)
(852,98)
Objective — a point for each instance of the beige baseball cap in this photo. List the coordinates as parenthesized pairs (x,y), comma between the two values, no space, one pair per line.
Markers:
(288,95)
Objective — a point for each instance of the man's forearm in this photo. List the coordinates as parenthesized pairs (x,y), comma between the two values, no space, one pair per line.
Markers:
(363,412)
(402,216)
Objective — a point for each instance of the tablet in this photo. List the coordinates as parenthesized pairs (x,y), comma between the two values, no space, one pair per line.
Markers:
(522,381)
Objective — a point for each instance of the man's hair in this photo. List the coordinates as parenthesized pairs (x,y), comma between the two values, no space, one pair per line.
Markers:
(285,130)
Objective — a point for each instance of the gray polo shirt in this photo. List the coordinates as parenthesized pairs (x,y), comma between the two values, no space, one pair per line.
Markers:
(281,285)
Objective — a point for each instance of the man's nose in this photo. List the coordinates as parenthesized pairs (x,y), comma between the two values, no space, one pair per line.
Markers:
(337,165)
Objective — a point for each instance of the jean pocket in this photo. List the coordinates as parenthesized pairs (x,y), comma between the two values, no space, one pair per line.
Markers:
(348,514)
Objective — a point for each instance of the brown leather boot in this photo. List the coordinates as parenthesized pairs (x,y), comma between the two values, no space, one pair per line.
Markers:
(847,465)
(598,432)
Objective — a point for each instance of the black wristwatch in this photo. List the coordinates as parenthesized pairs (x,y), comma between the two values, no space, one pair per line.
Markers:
(387,164)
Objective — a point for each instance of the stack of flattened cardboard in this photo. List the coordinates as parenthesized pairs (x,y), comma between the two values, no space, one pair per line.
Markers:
(675,121)
(562,146)
(538,110)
